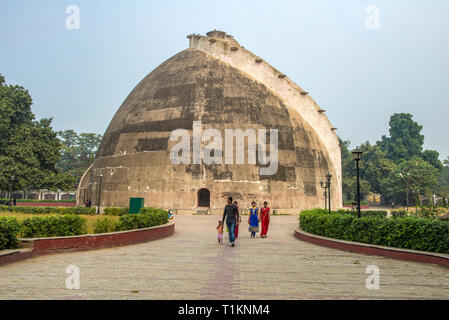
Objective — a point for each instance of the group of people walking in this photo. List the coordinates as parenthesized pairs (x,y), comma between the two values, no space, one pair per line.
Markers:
(233,218)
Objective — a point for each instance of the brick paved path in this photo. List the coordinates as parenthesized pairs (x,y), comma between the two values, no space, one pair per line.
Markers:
(191,265)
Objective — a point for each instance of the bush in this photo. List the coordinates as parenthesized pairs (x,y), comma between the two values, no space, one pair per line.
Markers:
(77,210)
(351,202)
(9,230)
(402,232)
(114,211)
(147,217)
(47,210)
(398,213)
(53,226)
(104,225)
(369,213)
(363,213)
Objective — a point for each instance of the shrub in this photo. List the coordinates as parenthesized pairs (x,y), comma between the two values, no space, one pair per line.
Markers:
(114,211)
(402,232)
(363,213)
(351,202)
(104,225)
(6,201)
(369,213)
(428,212)
(398,213)
(47,210)
(53,226)
(147,217)
(77,210)
(9,230)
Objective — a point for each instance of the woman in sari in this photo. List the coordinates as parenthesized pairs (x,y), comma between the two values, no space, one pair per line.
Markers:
(253,220)
(265,218)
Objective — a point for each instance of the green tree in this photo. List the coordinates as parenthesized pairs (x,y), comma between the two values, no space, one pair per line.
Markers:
(405,140)
(444,179)
(29,148)
(349,173)
(78,152)
(350,187)
(374,166)
(416,175)
(432,157)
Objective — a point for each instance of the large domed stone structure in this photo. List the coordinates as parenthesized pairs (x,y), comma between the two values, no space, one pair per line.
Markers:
(222,85)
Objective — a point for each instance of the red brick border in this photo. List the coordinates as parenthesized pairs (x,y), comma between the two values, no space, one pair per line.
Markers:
(88,242)
(389,252)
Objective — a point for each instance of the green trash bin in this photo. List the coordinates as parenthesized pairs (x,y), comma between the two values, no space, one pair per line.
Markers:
(135,204)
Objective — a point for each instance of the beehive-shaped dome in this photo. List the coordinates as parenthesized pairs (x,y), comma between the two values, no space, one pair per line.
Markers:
(205,85)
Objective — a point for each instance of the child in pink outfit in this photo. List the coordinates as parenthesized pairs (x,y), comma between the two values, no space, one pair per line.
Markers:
(220,231)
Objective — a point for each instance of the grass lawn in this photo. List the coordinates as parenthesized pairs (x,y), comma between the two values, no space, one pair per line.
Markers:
(90,218)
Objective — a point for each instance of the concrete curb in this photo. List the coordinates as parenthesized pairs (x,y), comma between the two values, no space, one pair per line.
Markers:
(86,242)
(370,249)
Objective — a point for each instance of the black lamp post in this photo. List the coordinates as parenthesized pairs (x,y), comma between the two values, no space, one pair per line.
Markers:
(357,154)
(324,186)
(100,176)
(328,185)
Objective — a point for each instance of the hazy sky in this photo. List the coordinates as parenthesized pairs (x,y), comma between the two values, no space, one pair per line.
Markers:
(361,76)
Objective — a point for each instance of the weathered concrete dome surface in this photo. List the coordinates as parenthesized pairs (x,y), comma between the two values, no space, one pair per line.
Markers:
(197,85)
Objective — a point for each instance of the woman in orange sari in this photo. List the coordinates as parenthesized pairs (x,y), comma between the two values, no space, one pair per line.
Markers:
(265,218)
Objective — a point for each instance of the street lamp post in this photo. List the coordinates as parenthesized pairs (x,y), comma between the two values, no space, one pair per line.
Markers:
(324,186)
(99,194)
(328,185)
(357,154)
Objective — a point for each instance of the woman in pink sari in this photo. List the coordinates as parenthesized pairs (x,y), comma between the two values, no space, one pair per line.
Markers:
(265,218)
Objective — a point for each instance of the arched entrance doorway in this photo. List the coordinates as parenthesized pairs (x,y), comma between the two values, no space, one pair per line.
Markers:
(203,198)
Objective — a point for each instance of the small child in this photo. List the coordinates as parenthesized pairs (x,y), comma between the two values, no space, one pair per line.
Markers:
(220,231)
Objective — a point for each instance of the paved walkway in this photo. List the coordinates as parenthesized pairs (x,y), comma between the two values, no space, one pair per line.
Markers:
(191,265)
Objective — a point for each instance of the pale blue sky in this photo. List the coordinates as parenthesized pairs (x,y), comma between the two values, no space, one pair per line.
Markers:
(360,76)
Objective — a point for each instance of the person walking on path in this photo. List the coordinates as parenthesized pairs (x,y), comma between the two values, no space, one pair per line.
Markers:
(253,220)
(265,219)
(220,231)
(239,220)
(231,216)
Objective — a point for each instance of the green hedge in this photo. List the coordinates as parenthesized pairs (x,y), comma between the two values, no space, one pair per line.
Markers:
(401,232)
(47,210)
(104,225)
(350,202)
(363,213)
(398,213)
(6,201)
(115,211)
(147,217)
(53,226)
(9,230)
(366,213)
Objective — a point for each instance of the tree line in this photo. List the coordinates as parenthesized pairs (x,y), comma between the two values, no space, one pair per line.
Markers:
(396,165)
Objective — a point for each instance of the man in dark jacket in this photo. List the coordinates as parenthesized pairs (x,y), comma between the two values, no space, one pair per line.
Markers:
(231,215)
